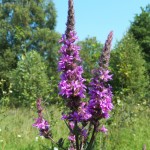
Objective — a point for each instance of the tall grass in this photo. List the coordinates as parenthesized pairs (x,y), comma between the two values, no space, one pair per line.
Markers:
(125,133)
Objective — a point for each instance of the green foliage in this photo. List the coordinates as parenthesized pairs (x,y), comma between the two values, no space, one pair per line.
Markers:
(90,52)
(16,127)
(140,28)
(128,68)
(45,42)
(123,133)
(7,62)
(29,80)
(24,26)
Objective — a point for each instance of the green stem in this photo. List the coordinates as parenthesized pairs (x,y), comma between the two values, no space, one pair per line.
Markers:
(77,137)
(92,138)
(49,137)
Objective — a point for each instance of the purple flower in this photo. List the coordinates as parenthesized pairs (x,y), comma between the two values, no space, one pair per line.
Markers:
(104,75)
(103,129)
(84,114)
(71,125)
(100,103)
(40,123)
(84,133)
(71,84)
(71,138)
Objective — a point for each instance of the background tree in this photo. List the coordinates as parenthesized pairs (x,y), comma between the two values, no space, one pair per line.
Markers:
(90,52)
(27,25)
(29,80)
(140,28)
(128,68)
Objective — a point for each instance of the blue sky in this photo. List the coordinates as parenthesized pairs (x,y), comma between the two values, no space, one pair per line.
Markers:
(99,17)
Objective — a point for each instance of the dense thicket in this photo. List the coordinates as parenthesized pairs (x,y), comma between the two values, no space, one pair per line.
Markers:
(24,26)
(140,28)
(90,52)
(129,70)
(30,25)
(29,80)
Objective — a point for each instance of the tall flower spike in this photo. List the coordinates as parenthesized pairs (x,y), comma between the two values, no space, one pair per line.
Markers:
(100,103)
(40,122)
(39,108)
(71,86)
(70,20)
(104,59)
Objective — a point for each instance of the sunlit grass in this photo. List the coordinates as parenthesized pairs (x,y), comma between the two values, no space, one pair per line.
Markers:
(17,133)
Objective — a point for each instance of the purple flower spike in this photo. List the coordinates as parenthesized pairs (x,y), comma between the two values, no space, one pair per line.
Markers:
(71,84)
(71,138)
(41,124)
(100,103)
(103,129)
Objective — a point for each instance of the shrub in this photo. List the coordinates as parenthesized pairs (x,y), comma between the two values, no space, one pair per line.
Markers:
(128,67)
(29,80)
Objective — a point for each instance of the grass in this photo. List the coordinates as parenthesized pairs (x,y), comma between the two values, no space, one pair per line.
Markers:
(17,133)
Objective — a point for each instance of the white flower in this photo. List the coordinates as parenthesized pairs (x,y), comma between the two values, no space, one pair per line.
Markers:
(55,148)
(19,136)
(36,138)
(42,137)
(10,91)
(4,92)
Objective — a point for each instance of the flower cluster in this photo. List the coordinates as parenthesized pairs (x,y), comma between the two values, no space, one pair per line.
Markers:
(82,114)
(71,84)
(41,124)
(83,118)
(100,103)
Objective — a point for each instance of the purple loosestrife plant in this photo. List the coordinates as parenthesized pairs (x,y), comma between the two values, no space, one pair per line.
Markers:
(100,103)
(71,86)
(82,118)
(40,123)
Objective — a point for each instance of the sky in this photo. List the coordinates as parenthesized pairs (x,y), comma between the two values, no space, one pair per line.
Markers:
(99,17)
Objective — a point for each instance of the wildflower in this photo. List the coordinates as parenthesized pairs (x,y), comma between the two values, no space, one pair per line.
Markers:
(19,135)
(40,122)
(71,138)
(103,129)
(100,103)
(84,133)
(71,125)
(71,86)
(36,138)
(42,125)
(1,141)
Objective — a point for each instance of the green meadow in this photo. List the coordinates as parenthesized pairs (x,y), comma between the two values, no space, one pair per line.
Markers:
(125,133)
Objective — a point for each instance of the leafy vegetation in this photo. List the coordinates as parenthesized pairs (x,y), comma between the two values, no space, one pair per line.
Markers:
(129,70)
(126,132)
(29,80)
(28,70)
(25,26)
(90,51)
(140,29)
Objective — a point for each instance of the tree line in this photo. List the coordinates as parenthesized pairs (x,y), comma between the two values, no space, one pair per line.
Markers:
(29,55)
